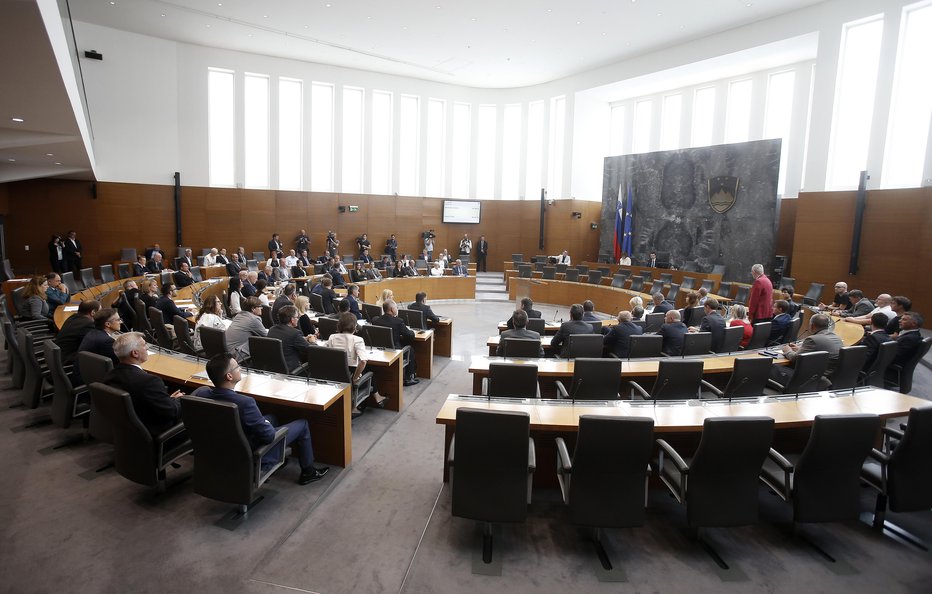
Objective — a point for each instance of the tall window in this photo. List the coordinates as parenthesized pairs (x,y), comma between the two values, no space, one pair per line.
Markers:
(409,157)
(321,137)
(616,141)
(854,102)
(908,131)
(738,111)
(381,142)
(352,139)
(778,112)
(511,151)
(535,150)
(436,144)
(256,127)
(670,122)
(461,134)
(290,133)
(703,116)
(555,164)
(485,159)
(221,126)
(643,114)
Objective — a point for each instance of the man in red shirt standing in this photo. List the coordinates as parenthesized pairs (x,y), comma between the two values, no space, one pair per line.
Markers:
(760,304)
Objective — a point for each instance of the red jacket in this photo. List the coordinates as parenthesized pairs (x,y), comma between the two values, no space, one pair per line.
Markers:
(760,304)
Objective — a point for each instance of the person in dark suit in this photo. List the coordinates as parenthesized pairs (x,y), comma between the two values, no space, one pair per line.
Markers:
(618,338)
(874,338)
(155,266)
(187,258)
(155,249)
(222,257)
(519,331)
(157,410)
(860,305)
(57,254)
(74,329)
(248,282)
(652,260)
(167,305)
(295,345)
(589,311)
(793,307)
(673,331)
(139,268)
(275,245)
(287,297)
(372,273)
(233,266)
(402,336)
(712,322)
(482,255)
(302,243)
(528,306)
(574,326)
(819,339)
(362,245)
(900,306)
(909,338)
(328,296)
(420,304)
(99,340)
(72,253)
(660,306)
(391,247)
(352,301)
(224,372)
(781,322)
(183,276)
(125,304)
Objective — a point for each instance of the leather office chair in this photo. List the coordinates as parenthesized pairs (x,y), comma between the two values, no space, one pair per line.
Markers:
(524,270)
(759,337)
(637,283)
(415,319)
(106,273)
(538,266)
(583,269)
(561,268)
(605,270)
(537,325)
(748,379)
(647,274)
(707,284)
(139,456)
(317,303)
(183,337)
(806,376)
(381,337)
(901,473)
(724,289)
(124,271)
(37,379)
(526,348)
(327,326)
(70,282)
(900,377)
(644,345)
(214,341)
(793,333)
(267,354)
(225,466)
(18,369)
(618,281)
(252,265)
(549,272)
(141,321)
(493,461)
(370,311)
(69,402)
(697,343)
(584,345)
(850,362)
(593,379)
(517,257)
(325,363)
(266,316)
(94,368)
(165,277)
(595,277)
(677,379)
(87,278)
(785,281)
(7,269)
(571,275)
(624,272)
(196,274)
(732,340)
(673,293)
(814,294)
(258,256)
(695,315)
(874,375)
(688,283)
(511,380)
(654,287)
(666,278)
(157,322)
(742,294)
(654,322)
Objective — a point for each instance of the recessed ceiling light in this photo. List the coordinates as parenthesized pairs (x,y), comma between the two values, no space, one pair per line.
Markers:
(327,5)
(659,14)
(579,22)
(404,28)
(474,19)
(12,160)
(18,120)
(57,163)
(265,16)
(306,26)
(249,35)
(603,33)
(163,14)
(207,25)
(549,10)
(749,4)
(112,3)
(437,7)
(49,155)
(219,3)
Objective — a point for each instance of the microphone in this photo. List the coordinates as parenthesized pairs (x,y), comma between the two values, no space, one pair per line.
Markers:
(743,381)
(576,390)
(663,386)
(555,312)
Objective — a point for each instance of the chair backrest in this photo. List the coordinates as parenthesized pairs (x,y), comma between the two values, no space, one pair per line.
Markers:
(760,336)
(647,274)
(214,341)
(379,336)
(595,379)
(595,277)
(317,303)
(596,327)
(326,363)
(814,294)
(673,293)
(654,287)
(645,345)
(827,478)
(63,401)
(267,354)
(722,488)
(718,269)
(524,270)
(32,379)
(267,317)
(637,283)
(677,379)
(106,273)
(537,325)
(165,277)
(517,257)
(252,265)
(610,471)
(654,322)
(850,362)
(157,321)
(624,272)
(327,326)
(732,340)
(258,256)
(793,333)
(666,277)
(707,284)
(490,466)
(12,346)
(133,450)
(874,375)
(561,268)
(584,345)
(618,281)
(68,279)
(688,283)
(87,278)
(123,270)
(748,378)
(128,254)
(413,318)
(571,274)
(724,289)
(512,380)
(742,294)
(807,371)
(605,270)
(196,274)
(183,335)
(370,311)
(906,372)
(582,268)
(521,348)
(549,272)
(697,343)
(223,461)
(909,474)
(141,321)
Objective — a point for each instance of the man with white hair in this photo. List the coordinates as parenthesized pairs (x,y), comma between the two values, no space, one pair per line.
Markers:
(760,302)
(883,305)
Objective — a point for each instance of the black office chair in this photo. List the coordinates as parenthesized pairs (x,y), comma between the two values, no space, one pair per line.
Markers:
(571,274)
(850,362)
(724,290)
(266,316)
(707,284)
(718,269)
(593,379)
(139,456)
(525,270)
(165,277)
(69,402)
(666,278)
(618,281)
(584,345)
(252,265)
(793,333)
(381,337)
(317,304)
(732,341)
(654,322)
(267,354)
(748,378)
(493,461)
(141,321)
(637,283)
(874,375)
(330,364)
(900,377)
(157,321)
(583,269)
(527,348)
(561,268)
(760,336)
(742,294)
(94,368)
(605,270)
(814,294)
(226,468)
(87,278)
(124,271)
(595,277)
(517,258)
(645,345)
(549,272)
(511,380)
(106,273)
(17,367)
(370,311)
(196,274)
(258,256)
(697,343)
(806,375)
(537,325)
(183,337)
(36,379)
(719,484)
(214,341)
(677,379)
(70,282)
(688,283)
(655,287)
(538,266)
(673,293)
(902,474)
(605,482)
(327,326)
(414,318)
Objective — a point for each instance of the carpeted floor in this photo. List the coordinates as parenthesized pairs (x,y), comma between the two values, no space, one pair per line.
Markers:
(384,524)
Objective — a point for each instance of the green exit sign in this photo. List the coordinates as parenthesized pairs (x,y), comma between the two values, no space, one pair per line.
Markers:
(353,208)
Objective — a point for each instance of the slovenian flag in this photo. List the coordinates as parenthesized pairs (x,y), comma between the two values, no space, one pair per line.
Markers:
(619,228)
(629,224)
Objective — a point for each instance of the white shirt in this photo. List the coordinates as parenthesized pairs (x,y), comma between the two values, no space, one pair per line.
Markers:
(625,261)
(886,310)
(211,321)
(436,271)
(291,261)
(234,303)
(354,346)
(210,260)
(563,259)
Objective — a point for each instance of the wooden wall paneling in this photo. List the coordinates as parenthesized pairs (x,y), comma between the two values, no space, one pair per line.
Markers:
(382,218)
(4,199)
(194,222)
(291,213)
(786,229)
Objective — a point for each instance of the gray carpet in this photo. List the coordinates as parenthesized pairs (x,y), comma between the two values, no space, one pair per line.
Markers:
(384,524)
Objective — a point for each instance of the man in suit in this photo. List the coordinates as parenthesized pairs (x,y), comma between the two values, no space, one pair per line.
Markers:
(157,410)
(618,339)
(57,293)
(167,305)
(760,301)
(673,331)
(780,323)
(187,258)
(222,257)
(337,270)
(99,340)
(328,296)
(909,338)
(712,322)
(233,266)
(183,276)
(402,336)
(589,311)
(72,253)
(883,304)
(528,306)
(819,339)
(224,372)
(155,249)
(420,304)
(295,345)
(74,329)
(519,331)
(900,306)
(652,260)
(287,297)
(365,257)
(245,324)
(139,268)
(482,254)
(391,247)
(302,242)
(859,305)
(372,273)
(125,303)
(155,266)
(574,326)
(275,245)
(660,306)
(248,283)
(363,244)
(876,336)
(459,269)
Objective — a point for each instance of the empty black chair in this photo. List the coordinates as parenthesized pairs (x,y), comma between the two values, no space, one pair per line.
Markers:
(793,333)
(823,482)
(707,284)
(94,368)
(69,280)
(595,277)
(584,345)
(525,270)
(517,257)
(806,375)
(326,326)
(214,341)
(196,274)
(593,379)
(760,336)
(414,318)
(87,278)
(624,272)
(537,325)
(512,380)
(688,283)
(165,277)
(7,270)
(697,343)
(330,364)
(157,321)
(527,348)
(583,269)
(637,283)
(317,304)
(732,340)
(381,337)
(106,273)
(647,274)
(267,317)
(549,272)
(123,270)
(141,321)
(226,468)
(850,362)
(36,380)
(742,294)
(252,265)
(267,354)
(748,378)
(538,266)
(654,287)
(874,375)
(139,456)
(677,379)
(69,402)
(901,376)
(258,256)
(724,290)
(645,345)
(18,371)
(561,268)
(571,274)
(369,311)
(814,294)
(493,460)
(666,277)
(654,322)
(673,293)
(605,270)
(618,281)
(183,337)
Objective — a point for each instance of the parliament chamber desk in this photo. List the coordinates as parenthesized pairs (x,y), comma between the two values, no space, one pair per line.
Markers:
(404,289)
(677,421)
(606,298)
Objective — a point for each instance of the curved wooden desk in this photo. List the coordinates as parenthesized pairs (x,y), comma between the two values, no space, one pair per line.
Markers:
(404,289)
(607,299)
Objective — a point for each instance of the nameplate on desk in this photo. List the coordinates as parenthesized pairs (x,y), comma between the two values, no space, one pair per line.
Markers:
(201,375)
(71,308)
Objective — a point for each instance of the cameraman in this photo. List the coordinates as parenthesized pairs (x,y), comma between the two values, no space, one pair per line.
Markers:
(429,243)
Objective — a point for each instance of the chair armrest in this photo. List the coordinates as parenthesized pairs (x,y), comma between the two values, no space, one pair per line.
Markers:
(485,386)
(169,433)
(561,390)
(635,386)
(775,384)
(890,432)
(711,388)
(531,455)
(564,464)
(787,468)
(613,355)
(879,456)
(300,370)
(450,454)
(674,456)
(280,435)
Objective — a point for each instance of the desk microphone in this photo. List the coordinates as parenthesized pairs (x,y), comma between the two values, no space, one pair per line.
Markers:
(743,381)
(660,391)
(576,390)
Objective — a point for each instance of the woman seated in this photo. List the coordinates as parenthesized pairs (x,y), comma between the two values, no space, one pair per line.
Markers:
(692,316)
(740,318)
(235,296)
(399,269)
(307,326)
(387,295)
(35,305)
(346,339)
(436,269)
(149,293)
(260,292)
(358,274)
(210,315)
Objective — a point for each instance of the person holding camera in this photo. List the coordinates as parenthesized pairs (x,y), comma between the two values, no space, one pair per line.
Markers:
(332,243)
(429,243)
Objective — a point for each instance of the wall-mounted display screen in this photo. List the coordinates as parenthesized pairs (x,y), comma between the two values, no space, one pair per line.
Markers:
(461,211)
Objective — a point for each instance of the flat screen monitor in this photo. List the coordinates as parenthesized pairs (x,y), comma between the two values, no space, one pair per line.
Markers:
(461,211)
